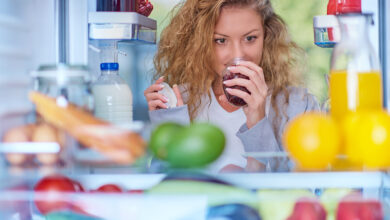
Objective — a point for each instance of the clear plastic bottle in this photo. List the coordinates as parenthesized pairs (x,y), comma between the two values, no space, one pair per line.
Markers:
(112,96)
(355,79)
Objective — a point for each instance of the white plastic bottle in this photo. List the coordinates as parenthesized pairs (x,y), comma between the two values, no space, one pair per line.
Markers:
(112,96)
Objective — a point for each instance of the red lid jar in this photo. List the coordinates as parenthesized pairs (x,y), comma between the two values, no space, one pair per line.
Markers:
(344,6)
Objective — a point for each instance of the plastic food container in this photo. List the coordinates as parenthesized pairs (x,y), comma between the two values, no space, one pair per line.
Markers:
(326,31)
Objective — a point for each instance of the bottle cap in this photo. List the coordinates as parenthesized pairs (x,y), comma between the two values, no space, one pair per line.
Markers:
(109,66)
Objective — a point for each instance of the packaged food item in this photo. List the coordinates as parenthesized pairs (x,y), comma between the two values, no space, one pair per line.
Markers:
(145,7)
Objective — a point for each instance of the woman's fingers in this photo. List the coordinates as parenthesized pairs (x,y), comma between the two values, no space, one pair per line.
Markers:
(155,100)
(259,72)
(159,80)
(255,109)
(156,104)
(255,77)
(241,94)
(253,67)
(248,84)
(178,95)
(156,95)
(153,88)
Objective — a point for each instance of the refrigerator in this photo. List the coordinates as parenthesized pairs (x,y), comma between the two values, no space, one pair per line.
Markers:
(35,32)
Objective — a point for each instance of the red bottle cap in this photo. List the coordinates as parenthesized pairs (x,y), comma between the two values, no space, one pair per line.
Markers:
(344,6)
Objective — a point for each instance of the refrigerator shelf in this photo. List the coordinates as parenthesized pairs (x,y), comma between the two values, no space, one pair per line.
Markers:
(124,26)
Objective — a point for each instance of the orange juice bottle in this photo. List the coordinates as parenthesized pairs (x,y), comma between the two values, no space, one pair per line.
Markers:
(354,92)
(355,81)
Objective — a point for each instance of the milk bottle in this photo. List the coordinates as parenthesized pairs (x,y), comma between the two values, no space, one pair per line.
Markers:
(112,96)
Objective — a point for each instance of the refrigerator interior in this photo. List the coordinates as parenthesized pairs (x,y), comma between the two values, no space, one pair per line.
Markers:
(27,40)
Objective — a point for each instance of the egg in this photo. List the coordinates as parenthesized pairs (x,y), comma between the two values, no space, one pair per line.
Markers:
(45,133)
(18,134)
(47,159)
(16,159)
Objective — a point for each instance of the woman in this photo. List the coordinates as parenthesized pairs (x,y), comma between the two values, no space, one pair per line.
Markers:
(195,48)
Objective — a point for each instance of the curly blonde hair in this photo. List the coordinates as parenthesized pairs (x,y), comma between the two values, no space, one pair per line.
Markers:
(186,49)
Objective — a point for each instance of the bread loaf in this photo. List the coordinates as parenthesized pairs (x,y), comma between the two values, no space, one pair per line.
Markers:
(120,145)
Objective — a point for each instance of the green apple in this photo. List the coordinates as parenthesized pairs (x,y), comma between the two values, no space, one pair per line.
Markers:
(161,136)
(195,146)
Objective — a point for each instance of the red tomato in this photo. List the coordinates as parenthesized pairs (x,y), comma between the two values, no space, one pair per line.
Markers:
(54,186)
(78,186)
(112,188)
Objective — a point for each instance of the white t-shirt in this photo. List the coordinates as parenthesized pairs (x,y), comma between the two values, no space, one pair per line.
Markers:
(229,122)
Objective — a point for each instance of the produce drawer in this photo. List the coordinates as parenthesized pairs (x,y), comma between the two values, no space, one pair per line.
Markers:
(271,196)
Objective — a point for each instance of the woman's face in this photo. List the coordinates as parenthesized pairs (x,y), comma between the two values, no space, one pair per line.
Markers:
(238,33)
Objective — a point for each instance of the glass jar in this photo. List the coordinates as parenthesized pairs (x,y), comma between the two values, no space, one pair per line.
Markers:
(69,81)
(72,83)
(228,75)
(355,76)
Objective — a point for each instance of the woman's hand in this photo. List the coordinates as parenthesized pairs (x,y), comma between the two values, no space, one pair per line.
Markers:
(156,100)
(252,166)
(255,108)
(178,95)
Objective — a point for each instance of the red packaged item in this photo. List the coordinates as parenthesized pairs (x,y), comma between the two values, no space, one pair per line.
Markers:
(145,7)
(354,206)
(117,5)
(344,6)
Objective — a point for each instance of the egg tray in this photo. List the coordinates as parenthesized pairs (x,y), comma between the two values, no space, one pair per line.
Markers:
(31,154)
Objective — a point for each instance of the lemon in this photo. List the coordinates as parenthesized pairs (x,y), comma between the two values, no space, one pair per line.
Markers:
(350,147)
(367,138)
(313,140)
